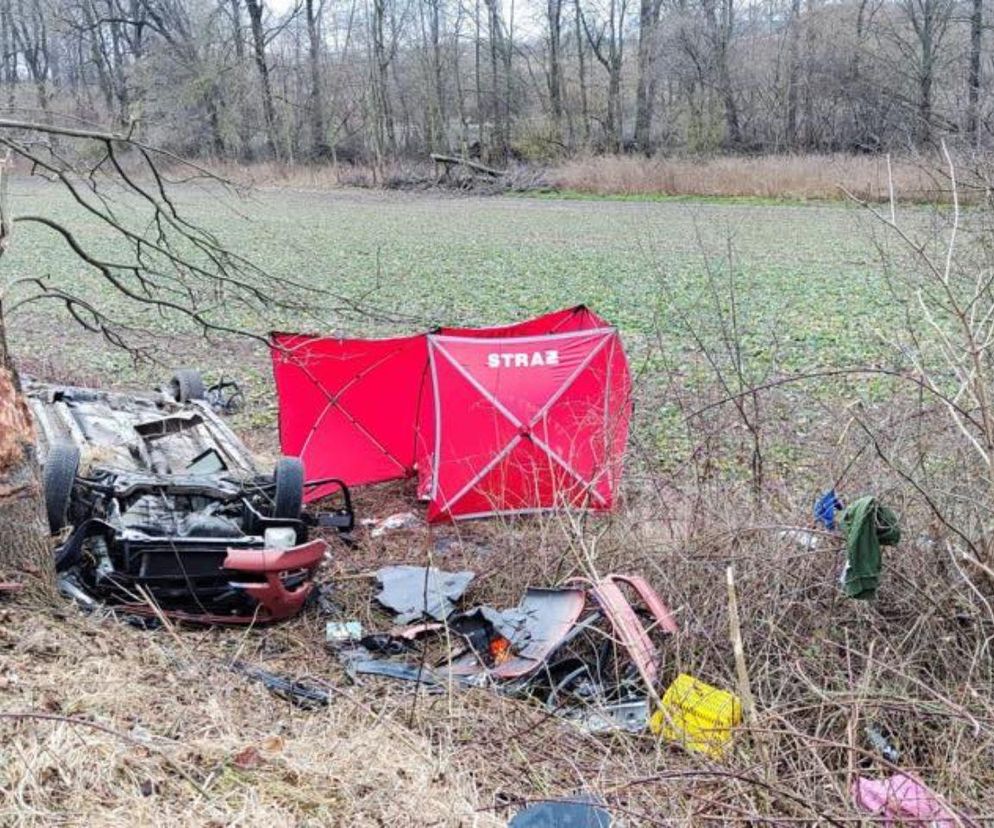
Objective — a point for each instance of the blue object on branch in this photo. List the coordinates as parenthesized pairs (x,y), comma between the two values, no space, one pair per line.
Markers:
(825,508)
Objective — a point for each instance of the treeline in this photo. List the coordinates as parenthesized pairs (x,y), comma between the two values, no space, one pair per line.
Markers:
(370,80)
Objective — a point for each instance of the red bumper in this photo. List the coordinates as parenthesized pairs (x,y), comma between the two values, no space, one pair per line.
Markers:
(276,600)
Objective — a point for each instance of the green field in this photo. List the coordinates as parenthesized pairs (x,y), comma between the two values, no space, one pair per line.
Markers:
(807,282)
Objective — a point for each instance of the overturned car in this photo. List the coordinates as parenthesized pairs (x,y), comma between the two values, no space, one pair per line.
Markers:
(160,508)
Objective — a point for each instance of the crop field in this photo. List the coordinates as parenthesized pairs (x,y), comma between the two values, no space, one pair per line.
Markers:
(806,278)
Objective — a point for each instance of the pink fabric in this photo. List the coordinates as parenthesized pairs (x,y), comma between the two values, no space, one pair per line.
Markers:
(902,801)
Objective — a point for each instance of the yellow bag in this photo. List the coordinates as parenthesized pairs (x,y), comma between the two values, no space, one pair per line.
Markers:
(697,716)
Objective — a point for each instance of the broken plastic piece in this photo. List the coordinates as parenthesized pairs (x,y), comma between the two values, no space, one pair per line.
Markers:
(402,520)
(882,744)
(415,591)
(342,632)
(697,716)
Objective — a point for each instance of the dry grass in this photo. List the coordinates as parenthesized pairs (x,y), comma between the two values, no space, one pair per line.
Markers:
(320,177)
(768,177)
(151,728)
(771,176)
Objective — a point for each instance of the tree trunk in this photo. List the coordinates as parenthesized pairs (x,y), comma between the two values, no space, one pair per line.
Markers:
(645,90)
(24,544)
(973,80)
(499,149)
(441,138)
(319,141)
(255,8)
(582,68)
(554,14)
(793,74)
(386,134)
(614,125)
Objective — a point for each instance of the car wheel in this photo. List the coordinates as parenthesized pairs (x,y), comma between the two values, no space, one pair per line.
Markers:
(60,475)
(187,384)
(289,478)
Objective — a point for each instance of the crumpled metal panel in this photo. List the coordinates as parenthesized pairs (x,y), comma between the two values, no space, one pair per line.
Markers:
(416,591)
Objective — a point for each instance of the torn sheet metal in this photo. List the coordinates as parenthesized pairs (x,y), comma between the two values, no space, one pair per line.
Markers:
(631,716)
(416,591)
(547,616)
(403,671)
(297,693)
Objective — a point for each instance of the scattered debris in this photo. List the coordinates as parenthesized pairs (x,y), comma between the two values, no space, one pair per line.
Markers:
(413,592)
(585,651)
(342,632)
(297,693)
(166,509)
(514,644)
(901,800)
(697,716)
(867,526)
(225,397)
(882,744)
(417,673)
(801,538)
(401,520)
(826,507)
(582,811)
(247,758)
(631,716)
(385,644)
(8,587)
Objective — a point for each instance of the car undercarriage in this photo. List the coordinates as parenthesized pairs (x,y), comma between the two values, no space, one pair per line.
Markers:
(159,508)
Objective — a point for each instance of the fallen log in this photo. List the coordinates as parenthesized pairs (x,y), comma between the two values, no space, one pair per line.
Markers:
(452,160)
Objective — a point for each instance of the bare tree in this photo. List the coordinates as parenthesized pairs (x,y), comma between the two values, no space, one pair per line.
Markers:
(382,57)
(929,21)
(719,16)
(255,12)
(30,36)
(554,21)
(645,93)
(607,40)
(319,140)
(973,78)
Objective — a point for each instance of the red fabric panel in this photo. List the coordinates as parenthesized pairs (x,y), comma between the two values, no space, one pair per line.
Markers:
(348,406)
(580,318)
(527,423)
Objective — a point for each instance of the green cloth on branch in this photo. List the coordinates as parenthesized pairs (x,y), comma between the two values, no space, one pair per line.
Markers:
(866,525)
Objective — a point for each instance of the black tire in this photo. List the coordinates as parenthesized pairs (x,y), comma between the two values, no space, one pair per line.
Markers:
(288,501)
(60,475)
(187,384)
